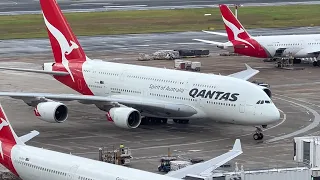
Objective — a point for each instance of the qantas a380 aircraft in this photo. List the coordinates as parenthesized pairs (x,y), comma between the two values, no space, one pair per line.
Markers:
(128,92)
(32,163)
(241,42)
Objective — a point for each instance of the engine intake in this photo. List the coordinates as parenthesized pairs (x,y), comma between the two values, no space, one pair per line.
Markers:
(53,112)
(125,117)
(267,91)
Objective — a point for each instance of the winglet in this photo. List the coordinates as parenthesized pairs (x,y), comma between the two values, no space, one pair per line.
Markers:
(29,136)
(248,67)
(246,74)
(237,146)
(209,165)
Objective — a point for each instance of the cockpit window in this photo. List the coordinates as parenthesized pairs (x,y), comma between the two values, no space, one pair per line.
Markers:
(264,101)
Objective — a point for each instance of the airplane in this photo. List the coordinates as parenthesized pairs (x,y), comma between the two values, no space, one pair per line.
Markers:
(132,94)
(32,163)
(241,42)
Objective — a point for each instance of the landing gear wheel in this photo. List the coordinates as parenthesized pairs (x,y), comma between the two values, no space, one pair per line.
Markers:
(260,136)
(164,121)
(181,121)
(257,136)
(314,63)
(185,121)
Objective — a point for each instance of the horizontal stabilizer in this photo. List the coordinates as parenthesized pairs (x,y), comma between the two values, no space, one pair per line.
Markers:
(57,73)
(27,137)
(216,33)
(209,42)
(211,164)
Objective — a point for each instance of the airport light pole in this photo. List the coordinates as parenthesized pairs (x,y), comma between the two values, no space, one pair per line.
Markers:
(206,16)
(236,9)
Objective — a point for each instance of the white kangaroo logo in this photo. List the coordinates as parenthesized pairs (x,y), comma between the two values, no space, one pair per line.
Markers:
(66,49)
(3,123)
(236,31)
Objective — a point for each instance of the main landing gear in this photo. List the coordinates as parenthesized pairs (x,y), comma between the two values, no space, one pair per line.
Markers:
(153,121)
(181,121)
(258,134)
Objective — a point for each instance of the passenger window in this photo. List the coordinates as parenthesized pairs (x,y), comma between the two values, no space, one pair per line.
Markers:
(268,102)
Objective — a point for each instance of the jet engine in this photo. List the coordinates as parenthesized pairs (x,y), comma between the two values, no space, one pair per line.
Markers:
(53,112)
(264,87)
(266,90)
(125,117)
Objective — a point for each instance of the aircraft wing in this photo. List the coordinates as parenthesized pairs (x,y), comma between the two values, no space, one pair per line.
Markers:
(209,42)
(312,50)
(215,33)
(211,164)
(163,108)
(246,74)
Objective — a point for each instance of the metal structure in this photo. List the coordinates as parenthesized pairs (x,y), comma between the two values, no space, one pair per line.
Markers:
(119,156)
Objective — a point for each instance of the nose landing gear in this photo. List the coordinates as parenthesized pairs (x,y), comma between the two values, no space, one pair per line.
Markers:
(258,134)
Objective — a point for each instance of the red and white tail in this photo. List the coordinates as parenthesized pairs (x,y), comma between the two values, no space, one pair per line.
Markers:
(65,46)
(7,134)
(234,28)
(8,139)
(67,51)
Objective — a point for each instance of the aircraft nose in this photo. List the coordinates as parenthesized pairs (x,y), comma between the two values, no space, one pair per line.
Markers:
(274,114)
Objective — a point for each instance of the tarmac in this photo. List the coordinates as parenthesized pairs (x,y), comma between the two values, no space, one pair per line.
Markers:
(9,7)
(138,43)
(295,92)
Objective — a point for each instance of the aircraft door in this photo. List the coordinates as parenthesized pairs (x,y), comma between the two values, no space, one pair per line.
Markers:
(72,172)
(242,107)
(123,75)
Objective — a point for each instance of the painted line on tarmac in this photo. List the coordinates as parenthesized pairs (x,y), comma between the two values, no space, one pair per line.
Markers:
(311,126)
(175,145)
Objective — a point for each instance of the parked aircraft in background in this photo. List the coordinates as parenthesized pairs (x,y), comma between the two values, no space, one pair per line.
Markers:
(241,42)
(32,163)
(128,92)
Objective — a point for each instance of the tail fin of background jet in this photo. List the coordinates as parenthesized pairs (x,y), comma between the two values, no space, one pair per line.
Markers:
(234,28)
(65,46)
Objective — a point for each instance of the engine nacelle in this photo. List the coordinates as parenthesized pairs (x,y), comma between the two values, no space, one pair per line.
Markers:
(266,90)
(53,112)
(265,87)
(125,117)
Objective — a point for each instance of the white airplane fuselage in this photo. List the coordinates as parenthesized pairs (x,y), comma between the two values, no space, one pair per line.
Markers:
(33,163)
(215,97)
(297,46)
